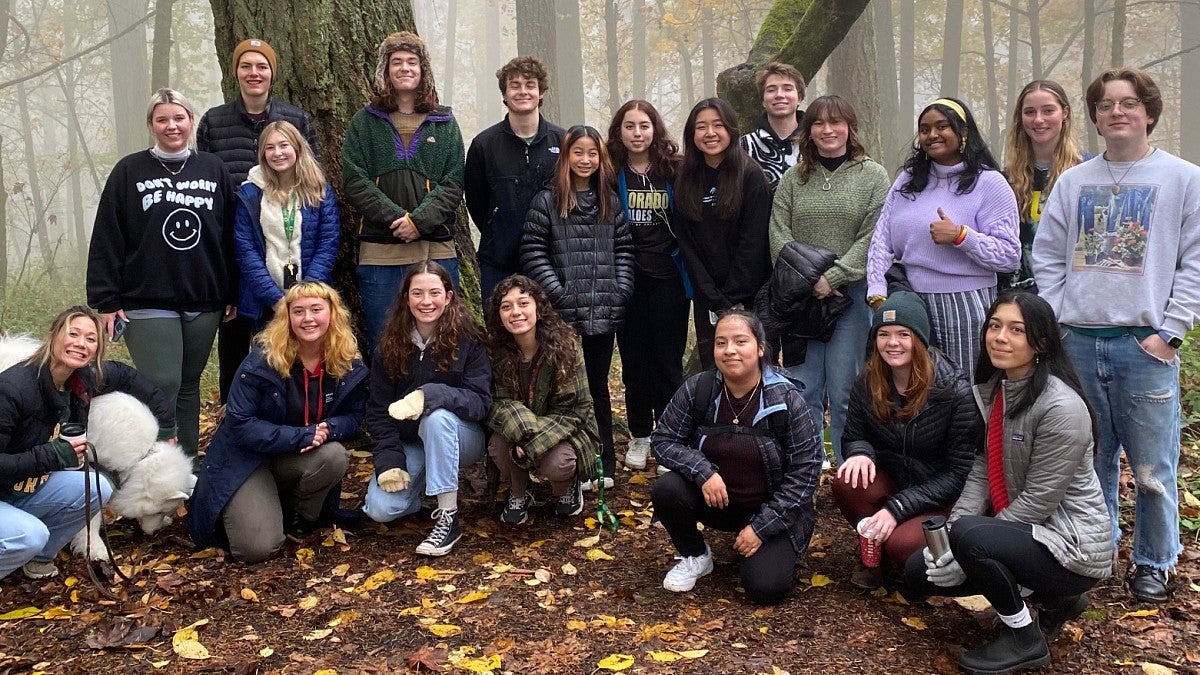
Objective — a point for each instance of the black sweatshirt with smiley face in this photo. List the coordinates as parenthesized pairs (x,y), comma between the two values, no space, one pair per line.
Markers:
(163,237)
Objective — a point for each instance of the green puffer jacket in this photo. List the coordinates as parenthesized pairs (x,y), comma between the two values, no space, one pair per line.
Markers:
(559,412)
(1048,472)
(384,180)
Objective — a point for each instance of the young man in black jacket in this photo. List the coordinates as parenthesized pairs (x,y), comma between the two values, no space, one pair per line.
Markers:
(231,132)
(507,164)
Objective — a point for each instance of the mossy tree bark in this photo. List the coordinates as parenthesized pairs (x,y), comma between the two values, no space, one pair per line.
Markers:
(327,50)
(800,32)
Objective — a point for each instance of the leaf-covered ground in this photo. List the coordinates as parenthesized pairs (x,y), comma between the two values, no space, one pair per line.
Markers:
(550,596)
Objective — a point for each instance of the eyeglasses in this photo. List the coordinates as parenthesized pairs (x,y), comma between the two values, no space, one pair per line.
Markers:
(1127,104)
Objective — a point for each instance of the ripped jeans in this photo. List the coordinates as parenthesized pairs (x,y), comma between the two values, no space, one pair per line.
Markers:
(1136,400)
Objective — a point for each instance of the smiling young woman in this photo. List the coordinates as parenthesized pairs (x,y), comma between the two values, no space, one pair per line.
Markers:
(161,257)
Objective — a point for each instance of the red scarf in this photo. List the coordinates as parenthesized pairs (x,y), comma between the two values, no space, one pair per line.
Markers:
(316,374)
(995,450)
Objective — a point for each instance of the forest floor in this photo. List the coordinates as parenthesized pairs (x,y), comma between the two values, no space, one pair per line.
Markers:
(550,596)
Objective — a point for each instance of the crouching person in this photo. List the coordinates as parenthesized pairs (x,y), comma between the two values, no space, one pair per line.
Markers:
(430,393)
(542,420)
(744,456)
(43,501)
(278,458)
(1031,514)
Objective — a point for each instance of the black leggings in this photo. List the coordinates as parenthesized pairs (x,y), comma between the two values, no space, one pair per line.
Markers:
(597,361)
(999,556)
(679,505)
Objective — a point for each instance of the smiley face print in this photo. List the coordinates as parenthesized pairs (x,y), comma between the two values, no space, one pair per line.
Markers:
(181,230)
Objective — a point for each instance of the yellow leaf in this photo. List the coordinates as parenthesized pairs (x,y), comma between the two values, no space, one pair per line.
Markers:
(499,569)
(249,595)
(485,665)
(1150,668)
(338,535)
(914,622)
(190,649)
(70,581)
(616,662)
(426,572)
(1139,614)
(57,613)
(763,629)
(266,652)
(820,580)
(538,544)
(588,542)
(23,613)
(533,582)
(344,617)
(160,664)
(590,523)
(473,596)
(1191,499)
(575,624)
(319,634)
(326,671)
(664,657)
(637,479)
(569,569)
(340,570)
(444,629)
(974,603)
(360,454)
(308,602)
(206,553)
(376,580)
(410,611)
(596,554)
(481,558)
(693,653)
(304,555)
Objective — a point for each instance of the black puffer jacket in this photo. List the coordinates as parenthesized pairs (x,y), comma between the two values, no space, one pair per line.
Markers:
(228,132)
(929,456)
(790,313)
(585,266)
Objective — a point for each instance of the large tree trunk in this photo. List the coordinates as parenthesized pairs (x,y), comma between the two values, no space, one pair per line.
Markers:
(612,51)
(989,65)
(130,74)
(488,107)
(569,47)
(447,86)
(952,48)
(1189,86)
(908,73)
(536,25)
(37,219)
(1035,38)
(637,36)
(708,78)
(1118,33)
(887,154)
(1014,43)
(160,59)
(5,10)
(1088,59)
(799,32)
(852,72)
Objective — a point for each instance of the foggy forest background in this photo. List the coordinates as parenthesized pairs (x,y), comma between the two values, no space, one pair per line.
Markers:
(75,76)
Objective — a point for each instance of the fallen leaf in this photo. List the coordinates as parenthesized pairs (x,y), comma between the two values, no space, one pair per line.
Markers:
(485,665)
(1139,613)
(588,542)
(17,614)
(473,596)
(445,629)
(692,653)
(249,595)
(160,664)
(596,554)
(819,580)
(266,652)
(569,569)
(664,657)
(319,634)
(305,555)
(1150,668)
(576,624)
(376,580)
(543,575)
(426,572)
(914,622)
(340,570)
(616,662)
(307,602)
(974,603)
(186,642)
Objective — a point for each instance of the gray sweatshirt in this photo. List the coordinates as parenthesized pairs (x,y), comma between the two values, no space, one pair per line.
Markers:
(1128,259)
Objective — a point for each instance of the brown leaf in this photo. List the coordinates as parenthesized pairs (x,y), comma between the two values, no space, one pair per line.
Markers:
(426,658)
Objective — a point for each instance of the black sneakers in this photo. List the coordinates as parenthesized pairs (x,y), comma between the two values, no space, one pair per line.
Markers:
(444,536)
(516,509)
(1149,585)
(571,503)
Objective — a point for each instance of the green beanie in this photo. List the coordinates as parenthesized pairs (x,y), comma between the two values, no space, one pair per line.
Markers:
(906,309)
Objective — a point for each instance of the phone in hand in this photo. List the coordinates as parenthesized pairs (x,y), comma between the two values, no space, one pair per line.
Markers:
(119,326)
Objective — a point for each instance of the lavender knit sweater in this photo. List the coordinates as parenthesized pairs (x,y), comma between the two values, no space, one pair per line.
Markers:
(902,233)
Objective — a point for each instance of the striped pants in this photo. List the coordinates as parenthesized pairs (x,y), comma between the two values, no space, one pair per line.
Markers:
(957,320)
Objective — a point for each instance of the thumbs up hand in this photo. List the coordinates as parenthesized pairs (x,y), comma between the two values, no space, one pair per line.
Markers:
(943,230)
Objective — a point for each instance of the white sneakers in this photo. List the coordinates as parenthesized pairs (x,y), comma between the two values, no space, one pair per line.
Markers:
(590,485)
(637,452)
(682,577)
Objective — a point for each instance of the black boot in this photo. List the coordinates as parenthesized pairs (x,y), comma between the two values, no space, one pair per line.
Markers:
(1052,613)
(1012,650)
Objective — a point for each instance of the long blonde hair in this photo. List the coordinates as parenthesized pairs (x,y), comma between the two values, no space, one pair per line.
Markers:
(309,179)
(1018,148)
(281,347)
(58,329)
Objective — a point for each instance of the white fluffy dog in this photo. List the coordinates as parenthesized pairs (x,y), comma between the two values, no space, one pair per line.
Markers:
(152,479)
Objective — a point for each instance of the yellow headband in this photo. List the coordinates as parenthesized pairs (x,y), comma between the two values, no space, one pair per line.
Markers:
(953,105)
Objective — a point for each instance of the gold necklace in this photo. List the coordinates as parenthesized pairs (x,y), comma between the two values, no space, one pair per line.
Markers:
(1116,188)
(737,414)
(168,170)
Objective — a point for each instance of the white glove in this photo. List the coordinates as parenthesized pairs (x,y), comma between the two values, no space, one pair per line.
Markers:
(408,408)
(946,572)
(393,480)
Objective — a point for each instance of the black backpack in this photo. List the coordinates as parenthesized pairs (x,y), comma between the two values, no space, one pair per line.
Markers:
(706,387)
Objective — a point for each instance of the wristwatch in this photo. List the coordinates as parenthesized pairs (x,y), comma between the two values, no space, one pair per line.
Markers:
(1172,341)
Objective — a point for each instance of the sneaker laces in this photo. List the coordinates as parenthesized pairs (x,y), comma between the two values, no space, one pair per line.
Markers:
(690,563)
(517,503)
(445,519)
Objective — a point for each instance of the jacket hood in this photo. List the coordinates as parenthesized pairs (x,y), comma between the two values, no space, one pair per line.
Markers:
(256,177)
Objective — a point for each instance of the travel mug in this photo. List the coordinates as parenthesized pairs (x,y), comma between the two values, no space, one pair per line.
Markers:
(70,432)
(937,537)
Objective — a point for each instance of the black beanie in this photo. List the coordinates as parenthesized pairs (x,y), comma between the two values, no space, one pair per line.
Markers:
(906,309)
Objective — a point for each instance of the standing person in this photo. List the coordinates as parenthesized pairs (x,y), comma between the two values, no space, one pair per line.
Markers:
(508,163)
(654,336)
(776,144)
(1117,255)
(286,227)
(277,457)
(1040,146)
(951,221)
(542,420)
(43,501)
(231,131)
(577,246)
(430,395)
(723,206)
(909,437)
(1031,514)
(403,174)
(744,456)
(161,257)
(832,199)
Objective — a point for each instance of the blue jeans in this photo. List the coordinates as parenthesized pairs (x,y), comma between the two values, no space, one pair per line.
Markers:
(830,368)
(1136,399)
(378,284)
(36,526)
(447,445)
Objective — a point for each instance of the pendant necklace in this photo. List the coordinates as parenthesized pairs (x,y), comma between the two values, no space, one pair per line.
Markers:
(168,170)
(1116,188)
(826,186)
(737,414)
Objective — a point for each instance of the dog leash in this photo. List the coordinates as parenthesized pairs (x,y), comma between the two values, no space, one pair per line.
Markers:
(90,463)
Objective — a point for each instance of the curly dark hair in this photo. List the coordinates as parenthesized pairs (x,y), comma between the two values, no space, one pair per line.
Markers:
(455,325)
(556,340)
(976,156)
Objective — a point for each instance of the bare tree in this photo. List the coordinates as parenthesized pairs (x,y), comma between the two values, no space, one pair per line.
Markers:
(1119,21)
(908,74)
(130,73)
(447,89)
(536,25)
(989,66)
(5,11)
(852,72)
(1035,38)
(952,48)
(569,74)
(1087,61)
(1189,86)
(885,75)
(708,79)
(37,221)
(637,36)
(160,59)
(612,52)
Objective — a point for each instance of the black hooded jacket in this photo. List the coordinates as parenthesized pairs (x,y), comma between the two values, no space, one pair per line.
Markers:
(790,313)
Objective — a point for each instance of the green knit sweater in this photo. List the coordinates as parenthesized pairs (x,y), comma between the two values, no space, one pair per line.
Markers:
(841,219)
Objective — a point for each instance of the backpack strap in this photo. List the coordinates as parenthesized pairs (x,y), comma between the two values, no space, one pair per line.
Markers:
(706,387)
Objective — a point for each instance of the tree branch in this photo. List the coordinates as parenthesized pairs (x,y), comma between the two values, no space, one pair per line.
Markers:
(78,55)
(1168,57)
